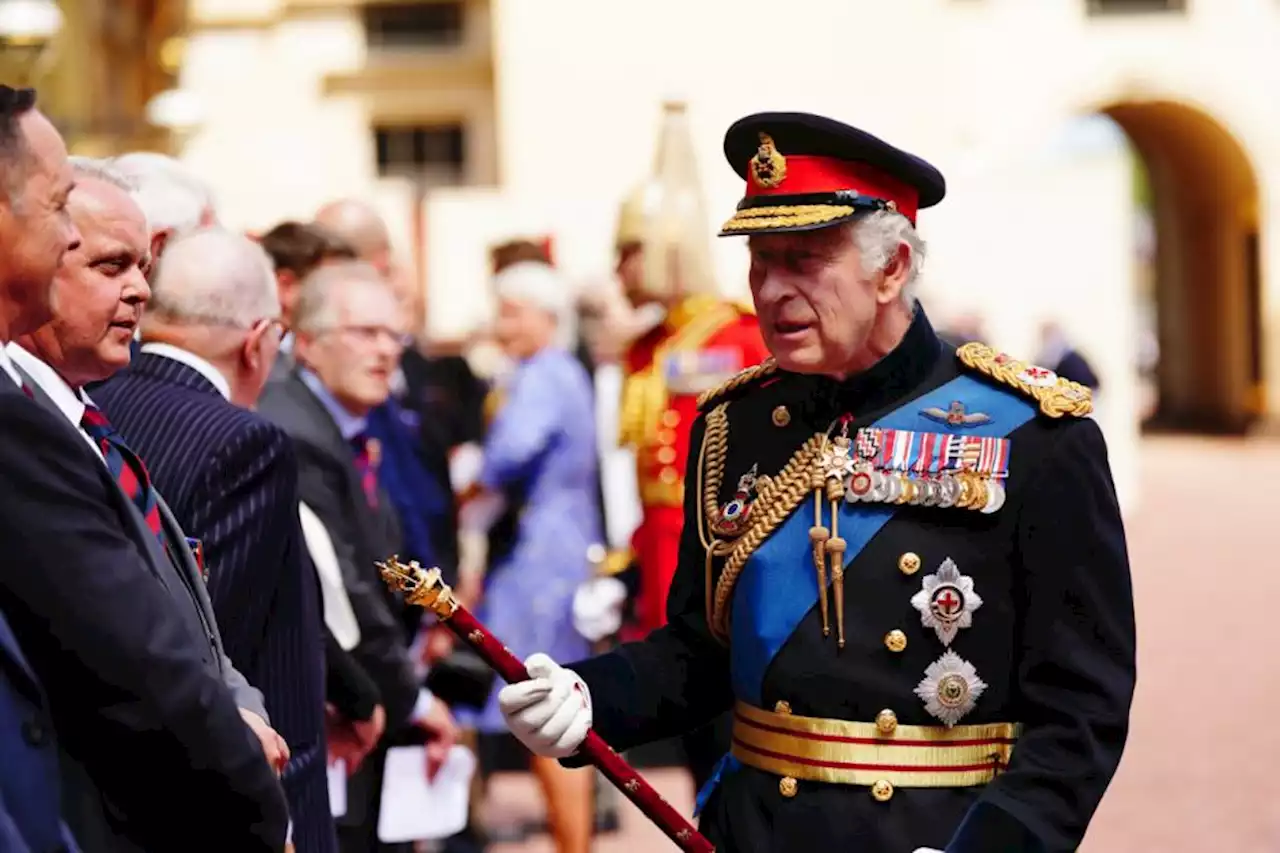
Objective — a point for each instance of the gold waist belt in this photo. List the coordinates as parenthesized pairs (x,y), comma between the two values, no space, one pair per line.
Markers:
(840,752)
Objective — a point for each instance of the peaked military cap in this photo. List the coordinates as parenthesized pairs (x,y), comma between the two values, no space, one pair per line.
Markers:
(806,171)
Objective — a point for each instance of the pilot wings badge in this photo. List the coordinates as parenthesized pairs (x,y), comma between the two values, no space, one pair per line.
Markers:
(956,416)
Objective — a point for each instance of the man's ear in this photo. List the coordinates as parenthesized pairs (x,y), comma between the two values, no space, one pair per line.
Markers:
(158,241)
(895,276)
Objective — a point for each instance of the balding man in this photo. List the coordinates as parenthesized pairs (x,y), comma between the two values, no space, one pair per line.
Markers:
(359,225)
(158,756)
(209,339)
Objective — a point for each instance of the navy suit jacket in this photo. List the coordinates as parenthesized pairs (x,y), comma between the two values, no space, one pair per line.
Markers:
(30,791)
(231,479)
(151,735)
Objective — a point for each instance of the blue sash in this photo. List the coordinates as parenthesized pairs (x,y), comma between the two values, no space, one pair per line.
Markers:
(778,585)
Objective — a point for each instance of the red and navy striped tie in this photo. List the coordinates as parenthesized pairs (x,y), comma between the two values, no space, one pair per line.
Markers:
(125,466)
(366,467)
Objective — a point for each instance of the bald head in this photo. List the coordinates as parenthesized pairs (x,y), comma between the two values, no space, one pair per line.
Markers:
(359,225)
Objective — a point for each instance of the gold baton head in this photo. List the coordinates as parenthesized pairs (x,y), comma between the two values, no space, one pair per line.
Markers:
(422,587)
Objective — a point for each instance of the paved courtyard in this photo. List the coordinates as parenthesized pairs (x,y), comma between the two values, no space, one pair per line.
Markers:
(1200,773)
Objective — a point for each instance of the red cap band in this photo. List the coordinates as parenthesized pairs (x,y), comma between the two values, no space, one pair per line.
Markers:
(809,174)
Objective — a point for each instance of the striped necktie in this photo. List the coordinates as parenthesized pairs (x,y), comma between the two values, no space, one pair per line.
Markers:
(366,452)
(125,466)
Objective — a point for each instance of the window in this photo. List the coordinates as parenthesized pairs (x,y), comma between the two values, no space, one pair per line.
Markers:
(436,153)
(1131,7)
(414,25)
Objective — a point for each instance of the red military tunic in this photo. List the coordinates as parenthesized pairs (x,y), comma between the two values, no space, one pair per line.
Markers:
(703,341)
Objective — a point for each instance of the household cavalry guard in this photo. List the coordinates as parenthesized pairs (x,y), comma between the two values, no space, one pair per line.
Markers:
(664,258)
(903,567)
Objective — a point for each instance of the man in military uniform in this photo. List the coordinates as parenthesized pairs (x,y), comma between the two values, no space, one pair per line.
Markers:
(904,568)
(701,341)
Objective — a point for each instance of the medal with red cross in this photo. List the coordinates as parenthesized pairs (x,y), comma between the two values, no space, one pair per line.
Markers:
(732,518)
(947,601)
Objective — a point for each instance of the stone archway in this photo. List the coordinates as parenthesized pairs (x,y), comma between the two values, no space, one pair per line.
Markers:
(1207,277)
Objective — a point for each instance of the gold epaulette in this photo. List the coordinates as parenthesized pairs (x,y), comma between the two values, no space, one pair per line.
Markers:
(745,307)
(742,377)
(1056,396)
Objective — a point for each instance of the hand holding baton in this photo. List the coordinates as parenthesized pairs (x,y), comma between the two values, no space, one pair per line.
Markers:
(424,587)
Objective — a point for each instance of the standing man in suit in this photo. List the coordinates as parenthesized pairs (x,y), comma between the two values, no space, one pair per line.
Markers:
(156,755)
(209,338)
(349,334)
(98,295)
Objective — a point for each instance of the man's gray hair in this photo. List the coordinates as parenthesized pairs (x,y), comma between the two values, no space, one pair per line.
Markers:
(172,198)
(214,277)
(878,237)
(102,170)
(317,310)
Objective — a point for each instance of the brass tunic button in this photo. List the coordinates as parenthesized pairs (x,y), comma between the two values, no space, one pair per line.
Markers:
(781,417)
(886,722)
(668,476)
(787,787)
(782,706)
(671,418)
(895,640)
(882,790)
(909,563)
(666,455)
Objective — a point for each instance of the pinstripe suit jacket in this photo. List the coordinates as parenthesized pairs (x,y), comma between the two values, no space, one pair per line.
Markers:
(231,479)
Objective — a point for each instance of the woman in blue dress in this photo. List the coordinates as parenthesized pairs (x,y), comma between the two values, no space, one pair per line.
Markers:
(540,458)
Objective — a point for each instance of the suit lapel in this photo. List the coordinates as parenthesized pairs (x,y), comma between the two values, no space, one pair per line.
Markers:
(184,562)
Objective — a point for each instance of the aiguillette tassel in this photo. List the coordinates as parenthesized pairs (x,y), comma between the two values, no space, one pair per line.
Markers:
(836,548)
(818,536)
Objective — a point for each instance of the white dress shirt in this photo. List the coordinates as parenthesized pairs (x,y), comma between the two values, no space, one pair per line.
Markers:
(195,362)
(7,364)
(70,401)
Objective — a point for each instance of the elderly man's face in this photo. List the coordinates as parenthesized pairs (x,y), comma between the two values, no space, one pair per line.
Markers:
(100,289)
(356,356)
(36,228)
(817,306)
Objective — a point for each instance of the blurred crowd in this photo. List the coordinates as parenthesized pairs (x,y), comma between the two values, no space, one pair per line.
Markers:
(269,422)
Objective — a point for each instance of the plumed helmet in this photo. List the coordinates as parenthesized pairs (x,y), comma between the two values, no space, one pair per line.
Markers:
(666,215)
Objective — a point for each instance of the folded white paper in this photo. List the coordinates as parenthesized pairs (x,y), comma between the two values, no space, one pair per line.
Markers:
(338,788)
(414,809)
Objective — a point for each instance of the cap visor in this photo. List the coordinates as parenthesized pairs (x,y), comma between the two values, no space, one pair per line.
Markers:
(779,218)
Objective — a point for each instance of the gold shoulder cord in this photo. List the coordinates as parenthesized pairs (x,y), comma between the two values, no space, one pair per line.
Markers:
(1059,397)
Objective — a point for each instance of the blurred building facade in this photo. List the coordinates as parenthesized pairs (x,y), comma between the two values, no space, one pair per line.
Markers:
(469,120)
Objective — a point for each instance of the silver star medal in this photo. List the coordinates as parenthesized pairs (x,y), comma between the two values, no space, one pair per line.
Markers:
(947,601)
(950,688)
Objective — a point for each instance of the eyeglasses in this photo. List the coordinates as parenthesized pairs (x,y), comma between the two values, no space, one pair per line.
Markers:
(375,334)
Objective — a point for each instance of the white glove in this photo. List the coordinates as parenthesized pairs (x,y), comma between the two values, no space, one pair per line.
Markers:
(597,607)
(551,712)
(927,850)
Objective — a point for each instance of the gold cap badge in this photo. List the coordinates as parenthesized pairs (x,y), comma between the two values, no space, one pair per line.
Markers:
(768,167)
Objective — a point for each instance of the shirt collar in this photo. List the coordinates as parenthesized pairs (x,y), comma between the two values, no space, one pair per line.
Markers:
(7,365)
(195,362)
(348,424)
(70,401)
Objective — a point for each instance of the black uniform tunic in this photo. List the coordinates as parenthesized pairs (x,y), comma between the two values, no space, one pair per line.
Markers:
(1053,639)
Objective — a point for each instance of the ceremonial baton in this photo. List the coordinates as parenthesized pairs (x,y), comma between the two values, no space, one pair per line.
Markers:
(425,587)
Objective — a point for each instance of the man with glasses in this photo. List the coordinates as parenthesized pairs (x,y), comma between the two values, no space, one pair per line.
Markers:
(209,338)
(348,337)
